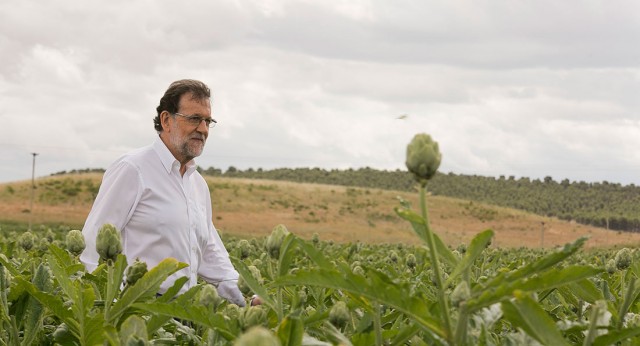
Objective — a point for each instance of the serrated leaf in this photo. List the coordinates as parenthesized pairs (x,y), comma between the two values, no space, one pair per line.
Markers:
(474,250)
(133,326)
(527,314)
(376,287)
(419,226)
(53,303)
(291,330)
(253,284)
(197,314)
(287,253)
(147,285)
(618,336)
(35,311)
(115,278)
(483,296)
(156,321)
(586,290)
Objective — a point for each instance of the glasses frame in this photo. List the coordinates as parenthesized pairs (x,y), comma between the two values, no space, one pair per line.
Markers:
(191,119)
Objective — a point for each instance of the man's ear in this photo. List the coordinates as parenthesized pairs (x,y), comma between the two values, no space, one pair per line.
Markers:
(164,120)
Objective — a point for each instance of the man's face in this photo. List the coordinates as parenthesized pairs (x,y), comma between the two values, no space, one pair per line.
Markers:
(186,141)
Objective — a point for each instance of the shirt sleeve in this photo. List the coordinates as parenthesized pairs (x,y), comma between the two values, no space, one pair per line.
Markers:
(216,265)
(117,198)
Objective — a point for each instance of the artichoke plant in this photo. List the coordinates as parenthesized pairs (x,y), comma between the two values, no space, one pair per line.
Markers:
(75,242)
(423,157)
(108,243)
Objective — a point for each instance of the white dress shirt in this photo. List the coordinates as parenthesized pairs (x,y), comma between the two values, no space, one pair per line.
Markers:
(160,214)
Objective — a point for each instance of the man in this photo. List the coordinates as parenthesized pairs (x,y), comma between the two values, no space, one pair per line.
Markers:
(160,203)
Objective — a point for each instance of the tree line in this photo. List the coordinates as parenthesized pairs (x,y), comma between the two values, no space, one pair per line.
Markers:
(602,204)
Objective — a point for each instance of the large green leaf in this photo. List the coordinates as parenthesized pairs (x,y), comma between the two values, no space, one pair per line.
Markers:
(420,227)
(255,286)
(314,254)
(115,277)
(613,338)
(147,286)
(483,296)
(376,286)
(35,311)
(538,266)
(287,253)
(586,290)
(524,312)
(475,249)
(53,302)
(133,329)
(194,313)
(157,321)
(291,330)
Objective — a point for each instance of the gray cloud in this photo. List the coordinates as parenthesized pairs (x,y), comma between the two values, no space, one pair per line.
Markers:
(533,89)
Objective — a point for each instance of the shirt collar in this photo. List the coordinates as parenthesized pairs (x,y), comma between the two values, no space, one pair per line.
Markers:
(168,160)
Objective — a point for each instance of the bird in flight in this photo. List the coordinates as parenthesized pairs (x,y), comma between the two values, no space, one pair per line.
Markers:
(402,116)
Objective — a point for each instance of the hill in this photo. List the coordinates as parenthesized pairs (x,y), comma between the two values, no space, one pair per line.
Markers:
(608,205)
(251,208)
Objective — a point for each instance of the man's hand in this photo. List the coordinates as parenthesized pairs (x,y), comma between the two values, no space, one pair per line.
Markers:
(255,300)
(229,290)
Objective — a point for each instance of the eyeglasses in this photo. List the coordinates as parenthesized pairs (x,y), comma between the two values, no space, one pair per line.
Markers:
(195,120)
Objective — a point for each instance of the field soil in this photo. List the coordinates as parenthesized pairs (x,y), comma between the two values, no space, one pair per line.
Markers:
(251,208)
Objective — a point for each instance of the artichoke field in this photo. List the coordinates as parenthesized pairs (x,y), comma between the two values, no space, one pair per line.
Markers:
(316,292)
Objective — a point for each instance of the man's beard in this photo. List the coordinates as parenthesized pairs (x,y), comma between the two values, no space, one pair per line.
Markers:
(185,147)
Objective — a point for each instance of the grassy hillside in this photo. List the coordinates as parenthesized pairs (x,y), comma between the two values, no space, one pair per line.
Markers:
(251,208)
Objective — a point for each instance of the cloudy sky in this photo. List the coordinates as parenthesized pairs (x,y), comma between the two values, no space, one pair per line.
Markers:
(524,88)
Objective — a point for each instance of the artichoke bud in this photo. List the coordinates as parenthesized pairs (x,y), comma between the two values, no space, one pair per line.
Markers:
(252,316)
(208,296)
(302,296)
(461,293)
(610,267)
(5,278)
(257,336)
(242,283)
(411,261)
(358,270)
(274,241)
(423,157)
(231,312)
(245,248)
(136,271)
(623,259)
(339,314)
(62,335)
(75,242)
(108,243)
(26,240)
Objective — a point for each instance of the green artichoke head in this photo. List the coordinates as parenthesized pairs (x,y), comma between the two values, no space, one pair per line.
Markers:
(208,296)
(75,242)
(26,240)
(274,241)
(135,271)
(423,157)
(339,314)
(108,243)
(257,336)
(623,258)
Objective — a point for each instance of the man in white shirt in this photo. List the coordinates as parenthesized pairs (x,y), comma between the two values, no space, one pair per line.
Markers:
(160,203)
